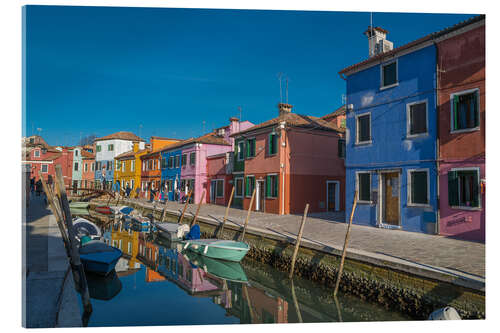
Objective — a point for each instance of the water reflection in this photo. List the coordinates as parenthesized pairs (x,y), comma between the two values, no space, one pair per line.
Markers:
(162,285)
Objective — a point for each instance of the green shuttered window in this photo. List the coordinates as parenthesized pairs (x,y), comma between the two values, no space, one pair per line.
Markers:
(250,148)
(272,186)
(463,188)
(192,158)
(249,185)
(465,111)
(184,160)
(272,144)
(418,187)
(364,185)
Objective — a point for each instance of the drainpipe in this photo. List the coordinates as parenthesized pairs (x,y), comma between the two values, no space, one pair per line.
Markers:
(438,217)
(283,154)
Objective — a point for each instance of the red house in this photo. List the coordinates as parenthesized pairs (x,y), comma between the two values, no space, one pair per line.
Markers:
(219,176)
(462,107)
(45,158)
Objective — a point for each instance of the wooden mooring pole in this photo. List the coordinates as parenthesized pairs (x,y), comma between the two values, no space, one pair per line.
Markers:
(220,232)
(198,209)
(75,255)
(297,243)
(295,302)
(344,251)
(164,212)
(248,216)
(185,206)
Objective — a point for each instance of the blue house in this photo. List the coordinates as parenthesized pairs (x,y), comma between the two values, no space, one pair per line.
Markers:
(391,135)
(170,171)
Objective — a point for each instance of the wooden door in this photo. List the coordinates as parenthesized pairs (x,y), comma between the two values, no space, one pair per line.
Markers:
(331,196)
(391,198)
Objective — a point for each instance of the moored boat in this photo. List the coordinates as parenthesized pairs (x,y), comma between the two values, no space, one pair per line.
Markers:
(78,204)
(84,227)
(104,210)
(223,269)
(218,248)
(172,231)
(98,257)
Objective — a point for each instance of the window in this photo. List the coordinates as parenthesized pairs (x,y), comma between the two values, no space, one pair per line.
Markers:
(342,123)
(118,165)
(76,152)
(184,160)
(238,192)
(98,148)
(250,148)
(76,166)
(363,133)
(92,166)
(163,163)
(465,110)
(45,168)
(416,118)
(341,148)
(132,165)
(86,167)
(219,193)
(364,186)
(171,162)
(192,158)
(272,186)
(250,185)
(37,153)
(32,140)
(109,165)
(273,144)
(177,158)
(418,192)
(241,150)
(463,188)
(110,147)
(389,74)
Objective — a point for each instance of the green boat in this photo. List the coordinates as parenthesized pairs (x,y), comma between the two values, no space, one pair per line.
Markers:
(78,204)
(223,269)
(217,248)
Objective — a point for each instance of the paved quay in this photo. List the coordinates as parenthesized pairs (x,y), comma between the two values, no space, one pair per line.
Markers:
(431,254)
(49,295)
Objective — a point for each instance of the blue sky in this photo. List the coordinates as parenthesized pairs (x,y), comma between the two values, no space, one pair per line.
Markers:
(99,70)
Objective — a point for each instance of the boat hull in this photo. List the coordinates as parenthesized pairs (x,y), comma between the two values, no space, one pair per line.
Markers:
(218,250)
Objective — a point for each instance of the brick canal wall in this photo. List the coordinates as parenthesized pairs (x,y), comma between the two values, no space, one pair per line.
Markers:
(409,291)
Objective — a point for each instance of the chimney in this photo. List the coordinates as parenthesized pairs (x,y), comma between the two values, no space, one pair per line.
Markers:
(135,147)
(377,43)
(284,108)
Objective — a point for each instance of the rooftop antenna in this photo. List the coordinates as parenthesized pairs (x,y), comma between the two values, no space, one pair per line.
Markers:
(287,90)
(280,75)
(39,130)
(239,108)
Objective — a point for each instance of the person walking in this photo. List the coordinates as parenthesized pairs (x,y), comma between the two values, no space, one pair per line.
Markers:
(32,184)
(128,190)
(38,187)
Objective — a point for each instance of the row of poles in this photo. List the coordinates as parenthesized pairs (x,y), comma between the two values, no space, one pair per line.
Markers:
(58,201)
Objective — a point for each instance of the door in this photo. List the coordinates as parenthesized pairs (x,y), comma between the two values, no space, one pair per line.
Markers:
(75,186)
(331,196)
(390,198)
(259,203)
(213,185)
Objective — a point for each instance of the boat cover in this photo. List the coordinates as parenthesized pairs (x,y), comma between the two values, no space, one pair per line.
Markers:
(194,233)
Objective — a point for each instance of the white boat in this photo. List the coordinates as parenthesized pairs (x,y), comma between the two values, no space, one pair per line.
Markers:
(172,231)
(84,227)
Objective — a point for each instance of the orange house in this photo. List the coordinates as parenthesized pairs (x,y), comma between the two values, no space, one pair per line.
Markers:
(291,160)
(150,164)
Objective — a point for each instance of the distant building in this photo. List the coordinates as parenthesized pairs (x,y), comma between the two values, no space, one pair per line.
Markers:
(337,117)
(219,178)
(290,160)
(45,159)
(88,169)
(107,148)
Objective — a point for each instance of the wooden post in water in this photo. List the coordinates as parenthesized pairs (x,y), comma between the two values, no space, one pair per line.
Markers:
(248,216)
(245,293)
(297,243)
(185,206)
(225,215)
(75,255)
(198,209)
(344,251)
(295,302)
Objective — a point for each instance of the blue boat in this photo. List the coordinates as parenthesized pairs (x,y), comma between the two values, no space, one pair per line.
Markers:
(98,257)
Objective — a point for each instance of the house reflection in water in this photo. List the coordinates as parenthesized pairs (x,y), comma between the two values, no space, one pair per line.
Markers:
(127,241)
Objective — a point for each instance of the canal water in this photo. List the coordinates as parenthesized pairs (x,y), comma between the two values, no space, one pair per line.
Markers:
(155,283)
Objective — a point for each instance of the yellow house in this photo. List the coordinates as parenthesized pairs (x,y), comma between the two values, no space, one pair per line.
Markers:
(128,242)
(128,168)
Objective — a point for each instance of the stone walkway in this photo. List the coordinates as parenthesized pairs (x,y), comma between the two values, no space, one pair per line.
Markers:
(49,296)
(328,229)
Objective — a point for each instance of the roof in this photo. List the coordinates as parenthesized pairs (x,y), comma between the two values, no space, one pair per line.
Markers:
(163,138)
(338,112)
(121,136)
(86,154)
(295,120)
(413,43)
(130,154)
(209,138)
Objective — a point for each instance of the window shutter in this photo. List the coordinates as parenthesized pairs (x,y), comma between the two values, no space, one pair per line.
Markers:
(246,186)
(452,188)
(270,144)
(248,148)
(475,189)
(455,112)
(276,182)
(475,111)
(268,186)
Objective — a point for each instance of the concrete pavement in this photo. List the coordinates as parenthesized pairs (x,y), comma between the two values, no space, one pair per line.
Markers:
(49,295)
